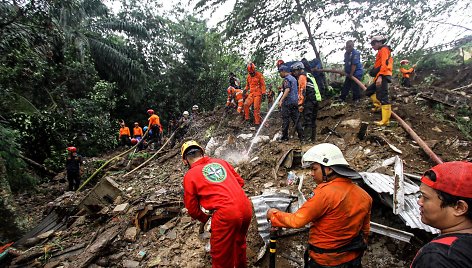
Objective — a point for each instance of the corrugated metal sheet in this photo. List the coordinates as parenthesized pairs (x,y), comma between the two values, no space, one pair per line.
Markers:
(382,183)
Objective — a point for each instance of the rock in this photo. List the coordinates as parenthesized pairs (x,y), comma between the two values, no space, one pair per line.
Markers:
(154,262)
(116,256)
(185,219)
(437,129)
(117,200)
(46,234)
(352,123)
(130,234)
(268,184)
(130,264)
(172,235)
(129,189)
(121,208)
(245,136)
(102,261)
(140,256)
(80,221)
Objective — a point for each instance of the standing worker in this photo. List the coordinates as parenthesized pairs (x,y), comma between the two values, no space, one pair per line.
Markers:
(154,126)
(256,85)
(214,185)
(124,135)
(446,204)
(137,131)
(289,103)
(312,95)
(73,162)
(406,71)
(352,68)
(339,211)
(382,73)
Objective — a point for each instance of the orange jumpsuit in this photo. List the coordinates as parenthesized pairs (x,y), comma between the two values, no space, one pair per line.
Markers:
(338,212)
(257,87)
(156,127)
(237,95)
(137,132)
(301,89)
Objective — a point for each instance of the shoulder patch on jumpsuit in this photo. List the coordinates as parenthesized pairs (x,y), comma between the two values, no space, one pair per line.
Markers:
(214,172)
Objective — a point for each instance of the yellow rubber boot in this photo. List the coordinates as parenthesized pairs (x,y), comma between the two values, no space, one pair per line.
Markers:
(376,103)
(386,113)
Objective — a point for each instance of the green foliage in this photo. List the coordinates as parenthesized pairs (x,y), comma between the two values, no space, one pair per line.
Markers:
(16,173)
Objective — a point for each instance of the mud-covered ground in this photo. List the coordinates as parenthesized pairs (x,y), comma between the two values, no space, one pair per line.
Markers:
(176,243)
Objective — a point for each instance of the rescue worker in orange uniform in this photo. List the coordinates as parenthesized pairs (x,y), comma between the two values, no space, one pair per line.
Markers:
(124,136)
(382,73)
(154,126)
(214,185)
(235,94)
(137,131)
(406,71)
(339,211)
(256,85)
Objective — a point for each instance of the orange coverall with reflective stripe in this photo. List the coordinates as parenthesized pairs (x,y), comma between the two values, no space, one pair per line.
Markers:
(257,87)
(384,60)
(124,131)
(338,212)
(237,95)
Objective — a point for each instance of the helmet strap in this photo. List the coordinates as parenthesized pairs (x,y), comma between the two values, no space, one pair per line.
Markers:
(325,178)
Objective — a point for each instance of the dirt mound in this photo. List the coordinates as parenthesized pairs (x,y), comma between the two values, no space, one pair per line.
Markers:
(152,229)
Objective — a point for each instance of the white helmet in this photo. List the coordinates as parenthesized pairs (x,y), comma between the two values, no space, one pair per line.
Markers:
(329,155)
(379,38)
(195,107)
(186,113)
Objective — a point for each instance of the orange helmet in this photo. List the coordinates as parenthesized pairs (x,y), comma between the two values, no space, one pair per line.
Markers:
(251,68)
(150,111)
(72,149)
(279,62)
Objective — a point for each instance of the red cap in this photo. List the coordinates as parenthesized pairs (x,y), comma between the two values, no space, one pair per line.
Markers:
(454,178)
(72,149)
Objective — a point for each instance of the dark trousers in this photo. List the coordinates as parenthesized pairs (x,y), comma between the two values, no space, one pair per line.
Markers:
(310,112)
(74,179)
(290,112)
(382,91)
(124,140)
(349,85)
(156,135)
(321,85)
(406,82)
(356,263)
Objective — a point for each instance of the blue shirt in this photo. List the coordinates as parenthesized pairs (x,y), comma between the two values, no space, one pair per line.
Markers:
(353,58)
(291,83)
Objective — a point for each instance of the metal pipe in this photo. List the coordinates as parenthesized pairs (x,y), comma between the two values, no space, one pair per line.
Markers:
(405,126)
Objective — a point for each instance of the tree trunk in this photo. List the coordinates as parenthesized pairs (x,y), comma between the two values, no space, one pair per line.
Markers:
(310,35)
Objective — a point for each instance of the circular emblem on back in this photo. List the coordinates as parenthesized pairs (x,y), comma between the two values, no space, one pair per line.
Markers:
(214,172)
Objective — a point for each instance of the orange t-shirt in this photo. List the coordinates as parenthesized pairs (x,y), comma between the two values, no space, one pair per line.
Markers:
(301,88)
(154,120)
(338,212)
(137,131)
(406,72)
(124,131)
(384,60)
(256,84)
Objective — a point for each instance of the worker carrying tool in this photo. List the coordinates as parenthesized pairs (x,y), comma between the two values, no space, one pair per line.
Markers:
(382,73)
(339,211)
(255,83)
(214,185)
(446,204)
(406,69)
(235,95)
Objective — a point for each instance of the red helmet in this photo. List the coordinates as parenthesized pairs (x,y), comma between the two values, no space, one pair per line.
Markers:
(72,149)
(279,62)
(230,90)
(134,141)
(150,111)
(251,68)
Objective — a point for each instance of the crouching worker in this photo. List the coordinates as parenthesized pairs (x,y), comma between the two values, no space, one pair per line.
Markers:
(339,211)
(214,185)
(446,204)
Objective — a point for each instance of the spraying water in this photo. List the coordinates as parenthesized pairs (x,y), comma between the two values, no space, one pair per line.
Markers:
(263,122)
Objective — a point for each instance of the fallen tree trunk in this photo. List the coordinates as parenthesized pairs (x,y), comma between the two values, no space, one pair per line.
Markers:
(38,165)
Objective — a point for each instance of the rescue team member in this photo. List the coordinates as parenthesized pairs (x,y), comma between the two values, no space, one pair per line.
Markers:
(446,204)
(137,131)
(214,185)
(256,85)
(312,95)
(236,95)
(352,68)
(406,71)
(124,136)
(154,126)
(289,103)
(73,162)
(339,211)
(315,68)
(382,73)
